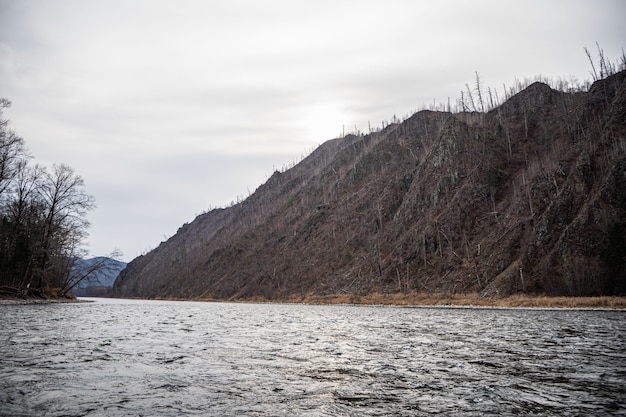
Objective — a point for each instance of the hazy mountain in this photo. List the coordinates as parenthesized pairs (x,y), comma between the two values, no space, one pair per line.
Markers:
(99,272)
(527,197)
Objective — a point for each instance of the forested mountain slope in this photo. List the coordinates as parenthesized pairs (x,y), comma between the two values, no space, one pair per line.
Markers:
(528,197)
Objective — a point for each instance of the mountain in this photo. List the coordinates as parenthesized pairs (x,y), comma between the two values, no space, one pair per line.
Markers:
(99,275)
(529,197)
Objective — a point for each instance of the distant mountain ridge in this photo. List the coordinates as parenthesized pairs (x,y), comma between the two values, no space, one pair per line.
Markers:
(100,272)
(528,197)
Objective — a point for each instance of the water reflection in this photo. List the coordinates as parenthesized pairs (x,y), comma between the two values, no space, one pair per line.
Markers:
(156,358)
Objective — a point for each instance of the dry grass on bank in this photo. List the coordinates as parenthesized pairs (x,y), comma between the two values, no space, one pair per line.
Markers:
(444,299)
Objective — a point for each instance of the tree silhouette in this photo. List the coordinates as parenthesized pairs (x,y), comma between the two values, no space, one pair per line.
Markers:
(42,219)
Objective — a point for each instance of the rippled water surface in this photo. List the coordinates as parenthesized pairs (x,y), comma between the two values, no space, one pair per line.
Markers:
(160,358)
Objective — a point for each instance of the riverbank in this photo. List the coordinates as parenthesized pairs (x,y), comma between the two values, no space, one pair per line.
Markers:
(444,299)
(398,299)
(15,299)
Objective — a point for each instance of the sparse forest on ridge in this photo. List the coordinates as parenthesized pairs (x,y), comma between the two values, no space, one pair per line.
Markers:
(521,193)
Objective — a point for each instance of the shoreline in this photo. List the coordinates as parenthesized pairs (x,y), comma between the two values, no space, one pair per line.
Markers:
(442,300)
(30,301)
(439,300)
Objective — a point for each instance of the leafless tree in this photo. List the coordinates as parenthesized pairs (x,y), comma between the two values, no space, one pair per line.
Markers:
(66,205)
(101,265)
(12,150)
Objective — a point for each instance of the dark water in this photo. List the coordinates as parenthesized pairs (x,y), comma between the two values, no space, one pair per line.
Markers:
(151,358)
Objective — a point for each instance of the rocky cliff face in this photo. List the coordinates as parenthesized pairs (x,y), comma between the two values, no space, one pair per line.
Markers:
(529,197)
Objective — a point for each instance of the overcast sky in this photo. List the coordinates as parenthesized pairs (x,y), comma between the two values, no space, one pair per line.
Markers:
(169,108)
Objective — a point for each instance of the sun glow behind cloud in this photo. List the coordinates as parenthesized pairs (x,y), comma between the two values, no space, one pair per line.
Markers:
(325,120)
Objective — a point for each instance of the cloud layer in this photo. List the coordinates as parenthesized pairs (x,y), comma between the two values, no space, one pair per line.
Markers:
(170,108)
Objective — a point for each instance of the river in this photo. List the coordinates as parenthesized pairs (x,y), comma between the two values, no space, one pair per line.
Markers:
(165,358)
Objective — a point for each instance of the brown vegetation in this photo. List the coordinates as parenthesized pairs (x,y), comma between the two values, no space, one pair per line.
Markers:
(526,198)
(449,299)
(17,293)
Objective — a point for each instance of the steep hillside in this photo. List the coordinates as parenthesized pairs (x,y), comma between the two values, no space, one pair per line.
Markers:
(529,197)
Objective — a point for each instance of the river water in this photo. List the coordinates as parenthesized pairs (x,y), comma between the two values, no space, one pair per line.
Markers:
(163,358)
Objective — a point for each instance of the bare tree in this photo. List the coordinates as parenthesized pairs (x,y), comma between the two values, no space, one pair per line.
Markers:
(66,205)
(12,150)
(101,265)
(480,94)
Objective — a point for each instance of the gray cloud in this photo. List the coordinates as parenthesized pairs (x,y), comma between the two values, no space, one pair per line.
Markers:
(169,108)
